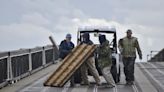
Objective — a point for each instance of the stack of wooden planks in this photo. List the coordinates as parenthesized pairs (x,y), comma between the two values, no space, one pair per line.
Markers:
(69,65)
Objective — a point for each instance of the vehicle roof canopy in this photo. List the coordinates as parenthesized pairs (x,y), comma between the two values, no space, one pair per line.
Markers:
(93,29)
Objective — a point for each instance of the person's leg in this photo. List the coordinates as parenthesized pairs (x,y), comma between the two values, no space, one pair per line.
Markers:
(92,68)
(72,81)
(131,68)
(126,70)
(84,74)
(108,76)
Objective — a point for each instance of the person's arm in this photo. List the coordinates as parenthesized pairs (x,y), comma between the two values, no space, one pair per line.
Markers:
(138,49)
(73,45)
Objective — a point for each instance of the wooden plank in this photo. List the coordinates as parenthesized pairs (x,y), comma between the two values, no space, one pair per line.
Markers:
(62,67)
(48,82)
(86,54)
(67,70)
(70,64)
(71,59)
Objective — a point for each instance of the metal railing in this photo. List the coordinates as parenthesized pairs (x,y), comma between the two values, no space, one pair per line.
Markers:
(15,65)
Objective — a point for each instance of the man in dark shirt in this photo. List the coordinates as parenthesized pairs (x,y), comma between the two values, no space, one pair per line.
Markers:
(66,46)
(89,64)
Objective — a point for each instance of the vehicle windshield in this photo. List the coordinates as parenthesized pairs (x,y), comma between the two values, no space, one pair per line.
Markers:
(95,37)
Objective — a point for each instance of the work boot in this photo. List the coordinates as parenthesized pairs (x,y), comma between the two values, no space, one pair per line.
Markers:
(85,83)
(72,82)
(72,85)
(99,84)
(111,86)
(129,83)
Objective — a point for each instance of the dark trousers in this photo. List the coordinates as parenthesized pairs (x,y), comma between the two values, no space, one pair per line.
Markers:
(129,68)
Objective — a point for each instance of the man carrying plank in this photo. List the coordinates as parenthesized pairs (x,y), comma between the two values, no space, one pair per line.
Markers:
(65,48)
(89,64)
(105,60)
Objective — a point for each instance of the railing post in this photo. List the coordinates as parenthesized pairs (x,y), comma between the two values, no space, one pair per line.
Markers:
(9,69)
(8,66)
(43,57)
(30,61)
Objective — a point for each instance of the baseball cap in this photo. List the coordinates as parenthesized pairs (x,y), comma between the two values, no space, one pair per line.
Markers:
(68,36)
(129,31)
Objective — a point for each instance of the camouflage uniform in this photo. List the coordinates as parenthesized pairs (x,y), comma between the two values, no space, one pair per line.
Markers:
(127,47)
(105,61)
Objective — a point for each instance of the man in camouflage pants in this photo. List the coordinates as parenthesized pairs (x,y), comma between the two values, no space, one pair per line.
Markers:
(105,60)
(127,47)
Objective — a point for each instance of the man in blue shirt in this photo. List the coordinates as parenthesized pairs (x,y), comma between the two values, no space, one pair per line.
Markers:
(65,46)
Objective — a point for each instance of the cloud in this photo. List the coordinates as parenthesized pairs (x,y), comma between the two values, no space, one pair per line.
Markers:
(16,36)
(35,19)
(28,23)
(143,12)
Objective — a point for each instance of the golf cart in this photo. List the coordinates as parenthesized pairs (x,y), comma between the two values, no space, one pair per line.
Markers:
(110,33)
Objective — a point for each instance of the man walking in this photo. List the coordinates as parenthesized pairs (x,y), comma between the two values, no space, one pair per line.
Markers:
(128,46)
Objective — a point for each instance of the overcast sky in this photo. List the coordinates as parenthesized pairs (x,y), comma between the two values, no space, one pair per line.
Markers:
(28,23)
